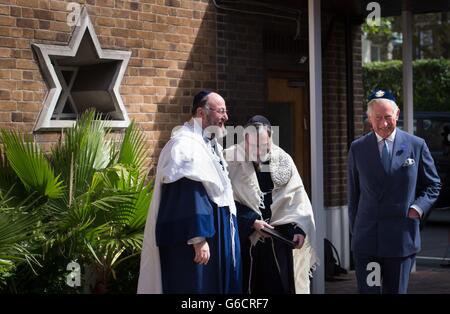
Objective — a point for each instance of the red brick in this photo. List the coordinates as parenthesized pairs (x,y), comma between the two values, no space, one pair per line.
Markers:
(60,16)
(4,9)
(8,85)
(32,85)
(44,4)
(120,32)
(28,3)
(104,21)
(5,74)
(29,117)
(25,64)
(56,5)
(6,20)
(161,63)
(157,9)
(124,14)
(7,105)
(27,33)
(16,95)
(43,14)
(16,11)
(62,37)
(7,63)
(5,53)
(16,117)
(46,35)
(5,116)
(105,3)
(28,96)
(147,17)
(27,23)
(59,26)
(16,74)
(147,72)
(160,28)
(28,106)
(5,94)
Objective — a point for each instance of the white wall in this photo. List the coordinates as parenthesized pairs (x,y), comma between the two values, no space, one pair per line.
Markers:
(338,232)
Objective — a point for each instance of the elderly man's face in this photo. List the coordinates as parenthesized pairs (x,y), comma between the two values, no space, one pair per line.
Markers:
(257,146)
(383,117)
(214,115)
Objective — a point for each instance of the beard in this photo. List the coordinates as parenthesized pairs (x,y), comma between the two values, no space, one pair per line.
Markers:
(214,130)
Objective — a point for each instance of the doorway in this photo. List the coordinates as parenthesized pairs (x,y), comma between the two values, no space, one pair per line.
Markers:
(288,108)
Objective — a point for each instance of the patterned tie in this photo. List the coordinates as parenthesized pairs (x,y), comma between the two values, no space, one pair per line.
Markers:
(385,160)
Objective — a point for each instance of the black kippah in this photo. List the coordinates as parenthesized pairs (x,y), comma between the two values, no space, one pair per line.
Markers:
(198,100)
(258,120)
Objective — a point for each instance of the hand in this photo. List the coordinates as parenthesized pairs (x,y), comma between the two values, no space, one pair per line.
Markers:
(299,239)
(259,224)
(413,214)
(201,253)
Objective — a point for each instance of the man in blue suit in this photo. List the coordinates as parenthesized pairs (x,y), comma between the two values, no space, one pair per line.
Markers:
(392,184)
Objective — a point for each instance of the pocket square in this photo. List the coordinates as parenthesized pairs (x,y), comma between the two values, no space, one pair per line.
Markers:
(409,162)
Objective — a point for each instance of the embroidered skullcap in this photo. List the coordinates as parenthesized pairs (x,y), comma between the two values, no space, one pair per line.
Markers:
(381,94)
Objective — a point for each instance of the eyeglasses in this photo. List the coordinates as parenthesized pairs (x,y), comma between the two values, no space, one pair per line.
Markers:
(221,110)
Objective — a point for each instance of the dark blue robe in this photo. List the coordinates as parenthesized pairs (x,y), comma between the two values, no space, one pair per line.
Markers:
(186,212)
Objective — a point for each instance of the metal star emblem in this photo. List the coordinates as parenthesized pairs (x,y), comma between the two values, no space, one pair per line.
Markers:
(79,76)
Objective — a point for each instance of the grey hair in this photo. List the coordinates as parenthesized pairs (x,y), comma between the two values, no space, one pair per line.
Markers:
(370,105)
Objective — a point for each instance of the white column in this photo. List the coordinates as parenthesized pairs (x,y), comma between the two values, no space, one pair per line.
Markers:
(337,231)
(407,48)
(315,83)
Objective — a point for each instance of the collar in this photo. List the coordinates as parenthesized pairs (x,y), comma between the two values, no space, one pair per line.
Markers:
(196,126)
(390,138)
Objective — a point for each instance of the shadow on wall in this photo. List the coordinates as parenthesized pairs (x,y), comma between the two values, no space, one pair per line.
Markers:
(184,62)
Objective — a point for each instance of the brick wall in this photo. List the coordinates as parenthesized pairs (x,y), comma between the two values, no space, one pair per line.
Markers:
(242,68)
(178,47)
(240,65)
(173,55)
(335,110)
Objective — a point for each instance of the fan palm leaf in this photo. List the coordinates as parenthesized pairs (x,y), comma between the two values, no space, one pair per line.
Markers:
(30,165)
(133,149)
(17,225)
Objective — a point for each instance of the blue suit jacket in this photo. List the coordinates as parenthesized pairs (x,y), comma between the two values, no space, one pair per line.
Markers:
(378,201)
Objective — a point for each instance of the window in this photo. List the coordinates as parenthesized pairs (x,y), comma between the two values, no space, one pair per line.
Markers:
(81,76)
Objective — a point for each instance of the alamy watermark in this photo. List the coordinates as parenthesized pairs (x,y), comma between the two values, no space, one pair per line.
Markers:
(73,279)
(374,277)
(374,17)
(259,150)
(73,18)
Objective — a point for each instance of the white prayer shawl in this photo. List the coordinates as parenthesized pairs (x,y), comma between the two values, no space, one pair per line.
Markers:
(186,155)
(290,204)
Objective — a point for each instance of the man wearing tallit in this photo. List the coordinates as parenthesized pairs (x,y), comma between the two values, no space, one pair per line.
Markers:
(269,193)
(191,243)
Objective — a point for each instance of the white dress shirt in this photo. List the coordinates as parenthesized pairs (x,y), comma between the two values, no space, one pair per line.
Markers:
(390,142)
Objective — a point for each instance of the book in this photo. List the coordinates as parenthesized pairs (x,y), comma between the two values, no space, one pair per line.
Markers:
(278,236)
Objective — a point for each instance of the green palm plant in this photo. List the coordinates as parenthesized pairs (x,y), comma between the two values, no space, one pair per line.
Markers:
(96,195)
(17,223)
